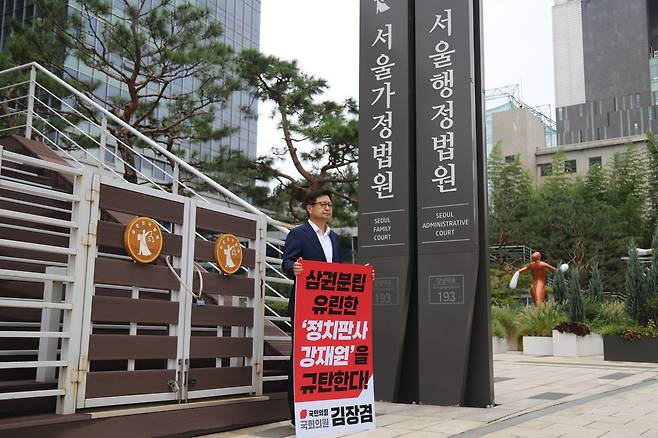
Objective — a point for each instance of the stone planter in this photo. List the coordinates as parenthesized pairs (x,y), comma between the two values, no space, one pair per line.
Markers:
(618,349)
(538,345)
(570,345)
(499,345)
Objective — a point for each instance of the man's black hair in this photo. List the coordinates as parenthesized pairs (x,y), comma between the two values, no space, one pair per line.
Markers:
(313,196)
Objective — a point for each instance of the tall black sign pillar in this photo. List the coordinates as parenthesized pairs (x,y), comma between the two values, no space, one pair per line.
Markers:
(386,195)
(453,297)
(422,199)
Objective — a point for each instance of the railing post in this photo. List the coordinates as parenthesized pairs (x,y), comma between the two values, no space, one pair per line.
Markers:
(81,239)
(174,184)
(52,293)
(103,143)
(30,102)
(259,302)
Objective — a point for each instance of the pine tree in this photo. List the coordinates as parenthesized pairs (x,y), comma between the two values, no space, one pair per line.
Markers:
(576,308)
(635,285)
(595,289)
(168,70)
(559,285)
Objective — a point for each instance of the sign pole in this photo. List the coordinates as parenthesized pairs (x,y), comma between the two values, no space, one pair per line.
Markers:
(451,203)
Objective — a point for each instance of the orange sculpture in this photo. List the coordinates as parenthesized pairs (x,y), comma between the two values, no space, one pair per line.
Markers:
(538,268)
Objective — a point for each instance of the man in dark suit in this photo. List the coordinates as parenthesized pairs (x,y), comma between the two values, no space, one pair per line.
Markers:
(313,240)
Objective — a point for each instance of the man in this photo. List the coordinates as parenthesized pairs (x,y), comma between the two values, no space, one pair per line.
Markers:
(313,240)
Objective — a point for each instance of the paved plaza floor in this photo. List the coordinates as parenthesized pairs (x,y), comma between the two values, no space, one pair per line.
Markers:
(536,397)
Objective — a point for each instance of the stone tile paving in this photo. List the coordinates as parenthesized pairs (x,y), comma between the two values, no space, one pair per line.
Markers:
(536,397)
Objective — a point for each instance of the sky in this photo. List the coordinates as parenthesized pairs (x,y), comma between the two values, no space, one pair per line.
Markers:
(323,36)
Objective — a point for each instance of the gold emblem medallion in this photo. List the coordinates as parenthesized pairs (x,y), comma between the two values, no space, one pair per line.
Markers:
(228,253)
(143,239)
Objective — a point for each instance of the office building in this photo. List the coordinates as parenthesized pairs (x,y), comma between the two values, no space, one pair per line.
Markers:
(606,73)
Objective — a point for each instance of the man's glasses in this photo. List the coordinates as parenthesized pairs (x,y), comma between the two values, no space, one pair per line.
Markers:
(324,204)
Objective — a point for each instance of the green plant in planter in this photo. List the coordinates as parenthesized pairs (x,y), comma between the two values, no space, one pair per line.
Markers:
(497,329)
(576,308)
(637,332)
(636,287)
(611,319)
(504,317)
(594,288)
(559,285)
(540,320)
(576,328)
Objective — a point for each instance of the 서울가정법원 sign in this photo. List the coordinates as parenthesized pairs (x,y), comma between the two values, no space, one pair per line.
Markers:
(332,352)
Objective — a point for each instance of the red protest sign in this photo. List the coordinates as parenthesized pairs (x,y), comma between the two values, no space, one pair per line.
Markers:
(332,351)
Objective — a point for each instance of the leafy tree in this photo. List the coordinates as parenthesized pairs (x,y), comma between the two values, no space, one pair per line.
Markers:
(550,225)
(652,180)
(167,58)
(594,288)
(576,308)
(509,200)
(330,128)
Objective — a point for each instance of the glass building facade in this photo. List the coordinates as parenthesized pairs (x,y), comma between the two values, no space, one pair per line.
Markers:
(241,22)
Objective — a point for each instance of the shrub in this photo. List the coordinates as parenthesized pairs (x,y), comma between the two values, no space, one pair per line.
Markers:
(594,288)
(611,319)
(576,328)
(637,332)
(497,329)
(559,285)
(540,320)
(636,287)
(504,316)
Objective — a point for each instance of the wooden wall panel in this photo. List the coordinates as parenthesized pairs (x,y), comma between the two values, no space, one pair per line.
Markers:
(215,283)
(139,204)
(110,234)
(117,383)
(112,309)
(116,347)
(128,273)
(205,251)
(223,316)
(223,223)
(212,378)
(213,347)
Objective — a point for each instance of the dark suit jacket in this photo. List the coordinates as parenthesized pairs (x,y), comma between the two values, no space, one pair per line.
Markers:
(303,242)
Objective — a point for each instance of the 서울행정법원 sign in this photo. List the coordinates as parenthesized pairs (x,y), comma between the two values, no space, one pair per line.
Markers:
(445,121)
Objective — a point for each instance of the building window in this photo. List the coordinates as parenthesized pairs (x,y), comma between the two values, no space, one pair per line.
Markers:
(594,161)
(570,166)
(545,169)
(509,159)
(608,119)
(580,136)
(580,110)
(614,106)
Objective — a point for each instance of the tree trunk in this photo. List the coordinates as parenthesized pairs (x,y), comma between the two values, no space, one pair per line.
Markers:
(128,156)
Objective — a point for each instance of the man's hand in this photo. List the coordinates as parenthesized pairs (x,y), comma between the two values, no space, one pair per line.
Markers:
(297,267)
(373,272)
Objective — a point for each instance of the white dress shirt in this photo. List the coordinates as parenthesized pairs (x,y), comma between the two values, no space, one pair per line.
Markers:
(325,241)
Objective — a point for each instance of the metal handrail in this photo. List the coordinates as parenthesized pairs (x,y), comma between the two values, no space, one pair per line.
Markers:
(173,158)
